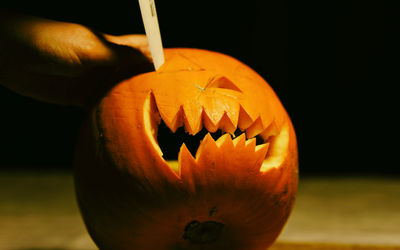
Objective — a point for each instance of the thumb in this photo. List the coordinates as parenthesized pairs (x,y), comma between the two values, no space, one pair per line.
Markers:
(132,55)
(137,41)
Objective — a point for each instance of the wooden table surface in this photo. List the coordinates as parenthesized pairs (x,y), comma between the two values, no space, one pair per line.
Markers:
(38,211)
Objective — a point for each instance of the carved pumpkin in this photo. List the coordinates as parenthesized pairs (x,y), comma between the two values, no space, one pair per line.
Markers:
(236,192)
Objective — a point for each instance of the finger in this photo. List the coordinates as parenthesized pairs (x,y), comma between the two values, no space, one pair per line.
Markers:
(137,41)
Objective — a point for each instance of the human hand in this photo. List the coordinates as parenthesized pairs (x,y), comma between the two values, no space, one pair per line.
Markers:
(66,63)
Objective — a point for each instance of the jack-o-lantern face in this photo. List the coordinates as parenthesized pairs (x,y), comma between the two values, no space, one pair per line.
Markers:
(235,191)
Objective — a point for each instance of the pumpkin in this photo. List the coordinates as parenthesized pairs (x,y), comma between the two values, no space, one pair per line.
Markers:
(235,191)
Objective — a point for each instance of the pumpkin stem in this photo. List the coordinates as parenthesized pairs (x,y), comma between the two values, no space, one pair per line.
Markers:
(203,232)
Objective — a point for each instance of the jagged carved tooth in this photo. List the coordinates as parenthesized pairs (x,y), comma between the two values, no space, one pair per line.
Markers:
(240,141)
(226,125)
(192,117)
(185,155)
(206,144)
(214,109)
(251,144)
(208,123)
(187,165)
(271,130)
(225,141)
(171,114)
(244,120)
(176,121)
(255,129)
(233,114)
(261,151)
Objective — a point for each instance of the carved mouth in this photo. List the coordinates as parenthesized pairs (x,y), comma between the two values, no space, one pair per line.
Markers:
(267,144)
(171,142)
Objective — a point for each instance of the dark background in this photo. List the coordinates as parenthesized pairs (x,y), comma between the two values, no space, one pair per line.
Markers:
(331,65)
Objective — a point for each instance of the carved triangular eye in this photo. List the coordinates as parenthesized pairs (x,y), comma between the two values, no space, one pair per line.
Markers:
(222,82)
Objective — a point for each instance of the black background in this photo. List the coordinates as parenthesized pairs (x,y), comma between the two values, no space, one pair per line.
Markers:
(330,64)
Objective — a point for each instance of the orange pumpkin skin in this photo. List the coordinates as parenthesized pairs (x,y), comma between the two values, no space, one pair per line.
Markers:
(224,197)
